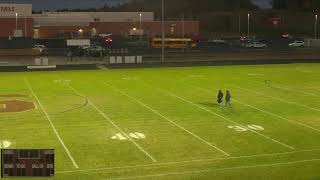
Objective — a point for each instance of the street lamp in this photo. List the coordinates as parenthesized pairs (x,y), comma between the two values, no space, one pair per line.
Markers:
(162,29)
(248,24)
(80,32)
(239,23)
(140,28)
(16,21)
(140,19)
(315,26)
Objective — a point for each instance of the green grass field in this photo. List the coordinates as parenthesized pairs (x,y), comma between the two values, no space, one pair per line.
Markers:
(165,124)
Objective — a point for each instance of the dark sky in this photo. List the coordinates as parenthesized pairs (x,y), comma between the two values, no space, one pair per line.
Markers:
(60,4)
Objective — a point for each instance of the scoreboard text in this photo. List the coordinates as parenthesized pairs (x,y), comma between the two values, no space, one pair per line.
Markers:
(27,163)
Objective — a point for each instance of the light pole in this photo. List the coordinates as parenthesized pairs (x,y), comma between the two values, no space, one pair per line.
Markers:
(183,26)
(16,21)
(25,26)
(248,24)
(140,19)
(162,29)
(140,26)
(239,23)
(315,26)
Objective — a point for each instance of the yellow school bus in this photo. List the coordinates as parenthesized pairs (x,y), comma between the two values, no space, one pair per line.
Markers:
(173,43)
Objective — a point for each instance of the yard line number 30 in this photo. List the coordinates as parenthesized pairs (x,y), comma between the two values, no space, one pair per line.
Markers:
(247,128)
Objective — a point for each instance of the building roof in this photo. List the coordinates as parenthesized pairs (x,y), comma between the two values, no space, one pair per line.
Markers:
(62,20)
(85,18)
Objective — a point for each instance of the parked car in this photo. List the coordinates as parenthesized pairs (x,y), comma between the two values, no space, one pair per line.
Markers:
(296,44)
(246,39)
(85,47)
(96,50)
(286,36)
(40,48)
(256,45)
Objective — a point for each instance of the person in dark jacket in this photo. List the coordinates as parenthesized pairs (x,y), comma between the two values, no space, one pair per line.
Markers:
(220,97)
(228,99)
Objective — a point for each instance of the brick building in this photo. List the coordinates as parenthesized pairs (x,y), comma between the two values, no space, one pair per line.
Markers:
(18,20)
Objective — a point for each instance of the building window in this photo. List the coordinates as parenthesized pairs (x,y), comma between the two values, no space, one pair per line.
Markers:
(172,30)
(36,34)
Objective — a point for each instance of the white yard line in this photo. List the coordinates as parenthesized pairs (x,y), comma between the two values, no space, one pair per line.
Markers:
(51,123)
(114,125)
(270,113)
(227,119)
(310,74)
(187,161)
(276,98)
(35,105)
(278,116)
(280,87)
(215,170)
(169,120)
(315,77)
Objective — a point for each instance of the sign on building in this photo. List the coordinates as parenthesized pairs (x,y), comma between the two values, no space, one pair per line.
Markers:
(10,10)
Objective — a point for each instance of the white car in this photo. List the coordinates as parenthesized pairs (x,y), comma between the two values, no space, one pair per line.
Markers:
(296,44)
(85,47)
(256,45)
(41,48)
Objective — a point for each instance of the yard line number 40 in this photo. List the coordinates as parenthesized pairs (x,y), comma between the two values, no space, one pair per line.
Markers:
(247,128)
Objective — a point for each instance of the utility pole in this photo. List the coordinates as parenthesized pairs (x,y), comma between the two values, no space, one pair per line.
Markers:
(248,24)
(162,29)
(316,27)
(25,26)
(183,26)
(16,21)
(140,26)
(239,23)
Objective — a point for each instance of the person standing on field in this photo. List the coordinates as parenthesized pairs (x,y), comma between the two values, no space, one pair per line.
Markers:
(220,97)
(228,99)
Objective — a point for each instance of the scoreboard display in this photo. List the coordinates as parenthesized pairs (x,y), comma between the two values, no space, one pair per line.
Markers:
(27,163)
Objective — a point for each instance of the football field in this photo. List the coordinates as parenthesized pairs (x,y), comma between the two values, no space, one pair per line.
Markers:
(165,123)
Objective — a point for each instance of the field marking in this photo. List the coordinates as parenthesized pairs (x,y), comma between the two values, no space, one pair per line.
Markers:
(5,144)
(134,135)
(113,124)
(215,170)
(279,99)
(270,113)
(314,77)
(169,120)
(310,73)
(51,123)
(35,106)
(69,127)
(188,161)
(227,119)
(279,87)
(278,116)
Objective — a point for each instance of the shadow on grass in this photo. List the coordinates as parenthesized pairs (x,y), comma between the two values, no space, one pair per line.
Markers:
(209,104)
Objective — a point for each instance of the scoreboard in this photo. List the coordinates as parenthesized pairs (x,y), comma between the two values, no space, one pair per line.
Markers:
(27,163)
